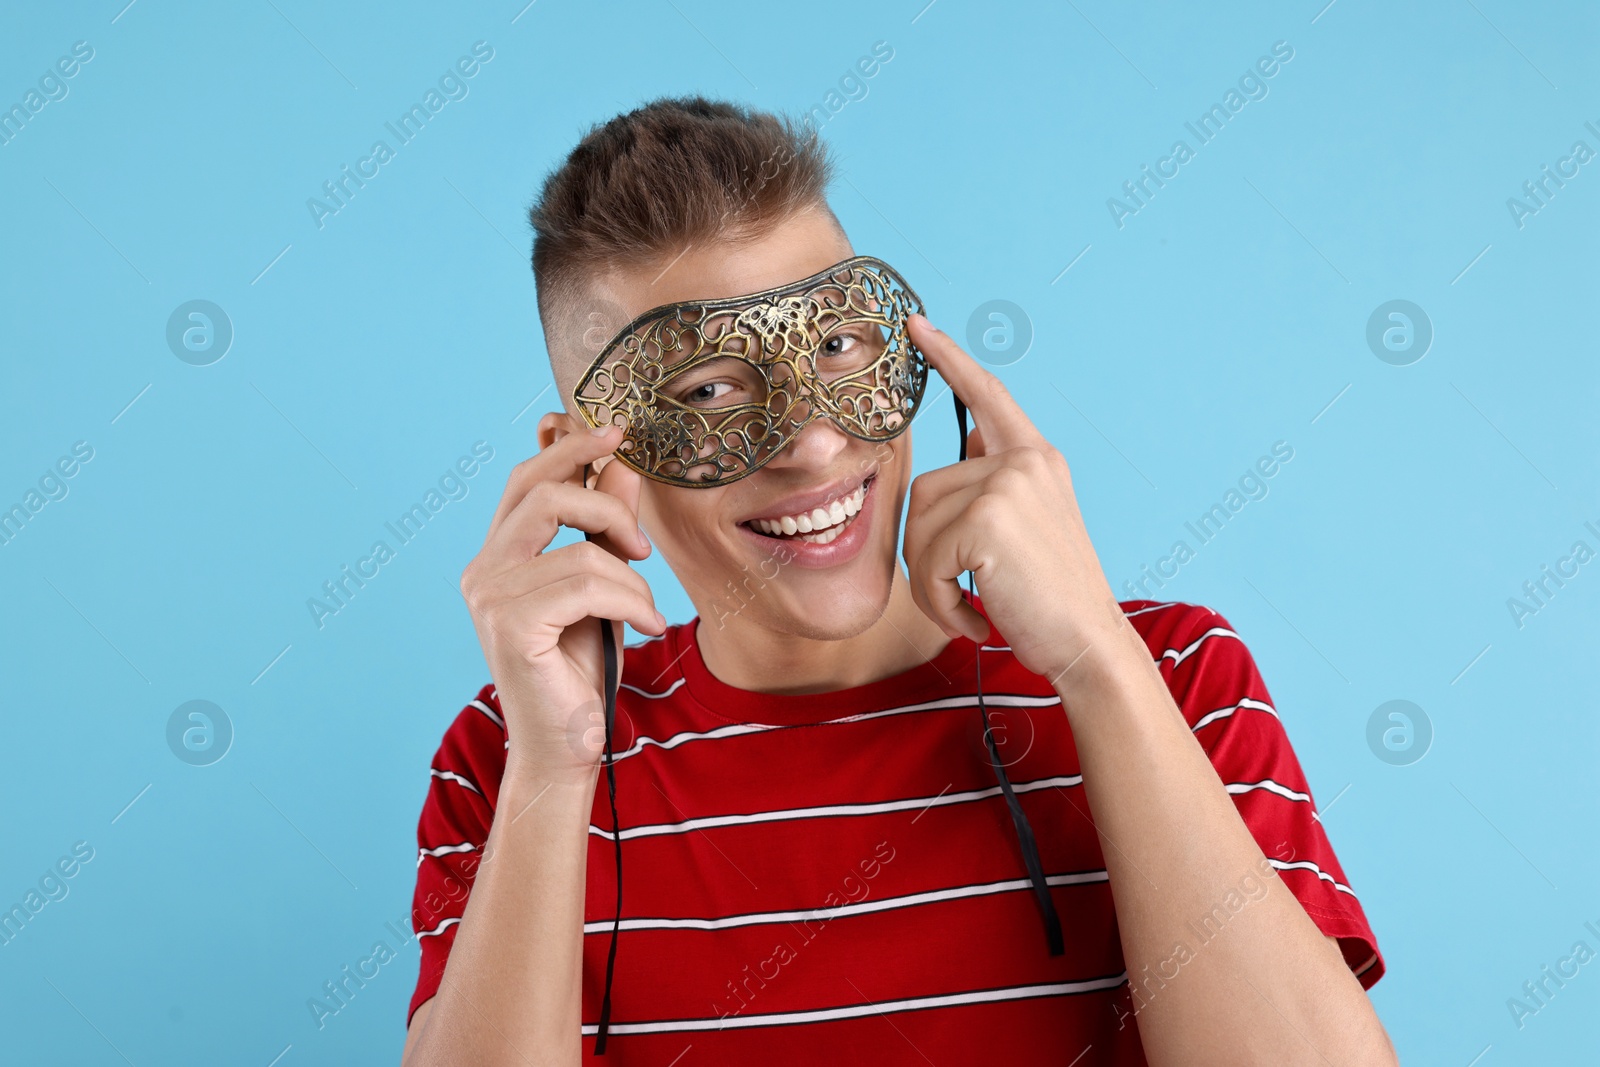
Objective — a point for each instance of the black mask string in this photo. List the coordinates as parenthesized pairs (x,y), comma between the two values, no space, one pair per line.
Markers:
(608,645)
(1019,819)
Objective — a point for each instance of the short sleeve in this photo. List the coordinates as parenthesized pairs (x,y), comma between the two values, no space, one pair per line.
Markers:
(463,784)
(1214,680)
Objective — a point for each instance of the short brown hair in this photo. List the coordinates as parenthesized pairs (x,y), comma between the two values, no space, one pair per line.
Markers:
(675,172)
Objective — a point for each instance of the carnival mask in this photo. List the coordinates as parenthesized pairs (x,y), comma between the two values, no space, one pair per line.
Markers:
(709,391)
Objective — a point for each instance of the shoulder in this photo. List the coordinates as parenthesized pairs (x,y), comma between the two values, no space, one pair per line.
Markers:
(1204,661)
(472,753)
(1171,628)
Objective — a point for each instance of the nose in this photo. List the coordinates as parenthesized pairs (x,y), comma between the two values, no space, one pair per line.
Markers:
(816,448)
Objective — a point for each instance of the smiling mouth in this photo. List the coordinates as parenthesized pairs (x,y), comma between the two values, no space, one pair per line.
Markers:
(818,526)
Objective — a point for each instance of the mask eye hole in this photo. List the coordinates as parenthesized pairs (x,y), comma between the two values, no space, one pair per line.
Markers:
(849,349)
(714,384)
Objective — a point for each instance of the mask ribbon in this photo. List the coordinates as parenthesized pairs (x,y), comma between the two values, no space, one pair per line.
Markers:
(1019,819)
(608,645)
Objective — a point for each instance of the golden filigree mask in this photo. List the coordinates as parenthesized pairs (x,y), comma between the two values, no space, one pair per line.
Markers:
(710,390)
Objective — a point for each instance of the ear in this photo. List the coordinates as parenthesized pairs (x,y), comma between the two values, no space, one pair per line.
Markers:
(554,425)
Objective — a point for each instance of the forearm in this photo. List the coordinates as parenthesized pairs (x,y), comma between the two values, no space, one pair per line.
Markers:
(512,989)
(1266,988)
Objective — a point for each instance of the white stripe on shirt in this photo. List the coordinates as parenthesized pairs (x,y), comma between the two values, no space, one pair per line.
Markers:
(827,810)
(452,776)
(487,710)
(857,1011)
(1307,865)
(443,850)
(437,930)
(997,700)
(1222,713)
(1235,788)
(668,691)
(1152,607)
(1178,657)
(865,907)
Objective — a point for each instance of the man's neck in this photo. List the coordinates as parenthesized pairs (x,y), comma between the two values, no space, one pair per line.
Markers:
(754,658)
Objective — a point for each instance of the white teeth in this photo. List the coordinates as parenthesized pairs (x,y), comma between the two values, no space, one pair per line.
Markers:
(820,525)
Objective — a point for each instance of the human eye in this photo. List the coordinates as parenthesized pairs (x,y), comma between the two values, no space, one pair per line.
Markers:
(706,392)
(718,383)
(841,344)
(851,348)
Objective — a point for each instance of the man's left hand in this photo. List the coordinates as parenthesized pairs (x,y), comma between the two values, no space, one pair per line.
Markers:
(1009,515)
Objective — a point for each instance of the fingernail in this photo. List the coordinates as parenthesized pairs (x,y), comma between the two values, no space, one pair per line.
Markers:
(661,620)
(601,431)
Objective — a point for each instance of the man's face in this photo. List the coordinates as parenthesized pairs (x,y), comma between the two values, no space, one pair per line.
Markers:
(741,550)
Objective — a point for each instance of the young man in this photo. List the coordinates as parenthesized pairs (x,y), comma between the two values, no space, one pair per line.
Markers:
(822,861)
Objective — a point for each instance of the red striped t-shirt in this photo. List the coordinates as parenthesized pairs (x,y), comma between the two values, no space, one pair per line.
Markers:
(836,874)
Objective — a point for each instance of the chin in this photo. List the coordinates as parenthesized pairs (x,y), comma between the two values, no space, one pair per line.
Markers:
(818,605)
(847,615)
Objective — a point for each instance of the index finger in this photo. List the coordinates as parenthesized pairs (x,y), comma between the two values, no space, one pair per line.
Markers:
(563,461)
(619,480)
(996,413)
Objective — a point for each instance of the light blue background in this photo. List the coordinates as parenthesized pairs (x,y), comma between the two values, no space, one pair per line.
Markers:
(1223,317)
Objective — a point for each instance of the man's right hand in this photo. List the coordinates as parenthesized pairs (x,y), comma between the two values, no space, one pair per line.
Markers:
(535,610)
